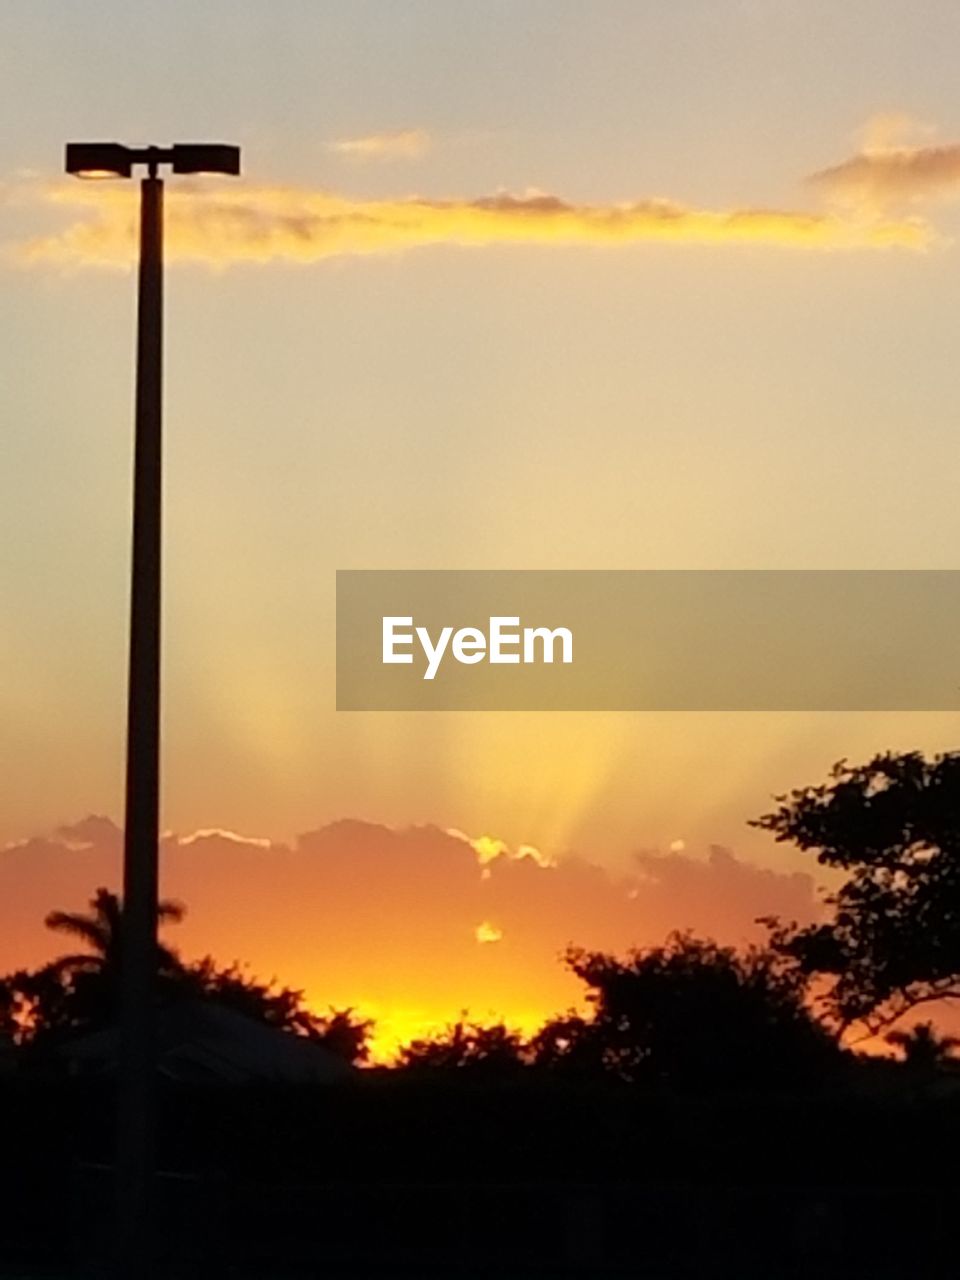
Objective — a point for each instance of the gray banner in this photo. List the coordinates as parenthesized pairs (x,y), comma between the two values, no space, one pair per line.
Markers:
(608,640)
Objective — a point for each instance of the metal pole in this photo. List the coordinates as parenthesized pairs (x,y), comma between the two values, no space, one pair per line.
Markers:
(138,955)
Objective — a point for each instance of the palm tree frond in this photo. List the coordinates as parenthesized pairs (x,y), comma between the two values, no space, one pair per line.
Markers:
(170,911)
(102,927)
(86,928)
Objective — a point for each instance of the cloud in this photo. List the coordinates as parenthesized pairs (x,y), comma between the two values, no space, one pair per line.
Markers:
(221,225)
(486,932)
(487,848)
(399,144)
(892,168)
(220,833)
(387,919)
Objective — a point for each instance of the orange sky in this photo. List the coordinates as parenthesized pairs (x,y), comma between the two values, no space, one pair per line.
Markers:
(413,925)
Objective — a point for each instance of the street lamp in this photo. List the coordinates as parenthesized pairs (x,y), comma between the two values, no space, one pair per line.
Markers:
(138,955)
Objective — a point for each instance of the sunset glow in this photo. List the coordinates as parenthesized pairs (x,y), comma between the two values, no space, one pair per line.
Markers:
(635,290)
(479,761)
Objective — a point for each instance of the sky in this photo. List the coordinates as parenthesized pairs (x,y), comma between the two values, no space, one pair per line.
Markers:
(525,284)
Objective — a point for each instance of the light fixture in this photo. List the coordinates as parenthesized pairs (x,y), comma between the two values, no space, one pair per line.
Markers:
(114,160)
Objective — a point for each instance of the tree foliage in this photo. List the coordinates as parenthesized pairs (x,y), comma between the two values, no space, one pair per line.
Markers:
(80,991)
(695,1015)
(101,930)
(893,826)
(341,1031)
(463,1046)
(923,1049)
(569,1046)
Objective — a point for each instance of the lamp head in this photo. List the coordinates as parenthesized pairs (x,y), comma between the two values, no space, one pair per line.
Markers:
(206,157)
(98,160)
(113,160)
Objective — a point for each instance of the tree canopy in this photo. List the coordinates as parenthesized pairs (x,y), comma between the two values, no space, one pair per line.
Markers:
(487,1051)
(893,826)
(696,1015)
(79,991)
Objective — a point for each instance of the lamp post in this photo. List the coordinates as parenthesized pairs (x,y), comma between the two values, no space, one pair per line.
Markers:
(138,953)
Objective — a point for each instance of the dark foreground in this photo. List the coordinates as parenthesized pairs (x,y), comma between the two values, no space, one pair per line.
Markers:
(392,1177)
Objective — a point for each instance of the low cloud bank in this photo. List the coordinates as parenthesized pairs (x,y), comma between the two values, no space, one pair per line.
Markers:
(415,924)
(222,226)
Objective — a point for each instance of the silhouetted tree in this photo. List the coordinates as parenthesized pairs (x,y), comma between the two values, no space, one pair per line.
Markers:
(488,1051)
(51,1001)
(9,1002)
(341,1031)
(102,932)
(893,826)
(694,1015)
(344,1033)
(923,1049)
(81,990)
(569,1045)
